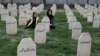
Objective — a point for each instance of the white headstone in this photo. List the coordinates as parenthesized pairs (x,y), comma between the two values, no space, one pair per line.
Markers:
(21,9)
(86,6)
(4,14)
(9,7)
(29,5)
(14,5)
(76,30)
(96,21)
(46,21)
(90,17)
(29,14)
(22,19)
(84,45)
(27,47)
(72,20)
(11,25)
(85,13)
(1,8)
(34,9)
(53,8)
(40,33)
(69,15)
(40,8)
(26,7)
(13,11)
(96,11)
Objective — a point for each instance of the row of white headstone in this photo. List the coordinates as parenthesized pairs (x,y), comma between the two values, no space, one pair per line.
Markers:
(73,24)
(83,49)
(40,38)
(26,14)
(23,18)
(10,8)
(40,30)
(13,11)
(26,7)
(85,12)
(88,13)
(11,22)
(96,12)
(84,39)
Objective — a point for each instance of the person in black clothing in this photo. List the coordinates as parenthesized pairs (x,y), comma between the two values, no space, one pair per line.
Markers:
(51,18)
(32,22)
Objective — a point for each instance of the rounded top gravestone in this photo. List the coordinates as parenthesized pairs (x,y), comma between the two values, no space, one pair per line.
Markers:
(4,14)
(40,8)
(9,7)
(11,25)
(72,19)
(23,19)
(54,8)
(27,41)
(85,37)
(1,6)
(40,33)
(14,5)
(34,9)
(96,22)
(27,47)
(76,30)
(77,25)
(97,17)
(21,6)
(84,45)
(10,19)
(46,21)
(69,14)
(29,14)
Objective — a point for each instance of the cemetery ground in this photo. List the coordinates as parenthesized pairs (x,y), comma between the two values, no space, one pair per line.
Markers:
(59,41)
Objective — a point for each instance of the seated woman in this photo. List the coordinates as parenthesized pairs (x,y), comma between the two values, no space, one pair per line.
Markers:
(51,18)
(32,22)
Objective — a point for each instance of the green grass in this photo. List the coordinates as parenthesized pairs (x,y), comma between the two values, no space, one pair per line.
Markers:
(59,41)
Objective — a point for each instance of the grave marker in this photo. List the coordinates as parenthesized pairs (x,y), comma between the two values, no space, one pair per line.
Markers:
(9,7)
(40,33)
(54,8)
(21,9)
(27,47)
(4,14)
(46,21)
(96,21)
(14,11)
(76,30)
(22,19)
(84,45)
(11,25)
(90,17)
(72,20)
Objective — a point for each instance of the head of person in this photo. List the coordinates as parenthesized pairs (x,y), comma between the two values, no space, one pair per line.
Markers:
(34,14)
(49,12)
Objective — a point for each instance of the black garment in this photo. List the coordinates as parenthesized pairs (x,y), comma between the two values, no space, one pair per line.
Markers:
(51,18)
(33,24)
